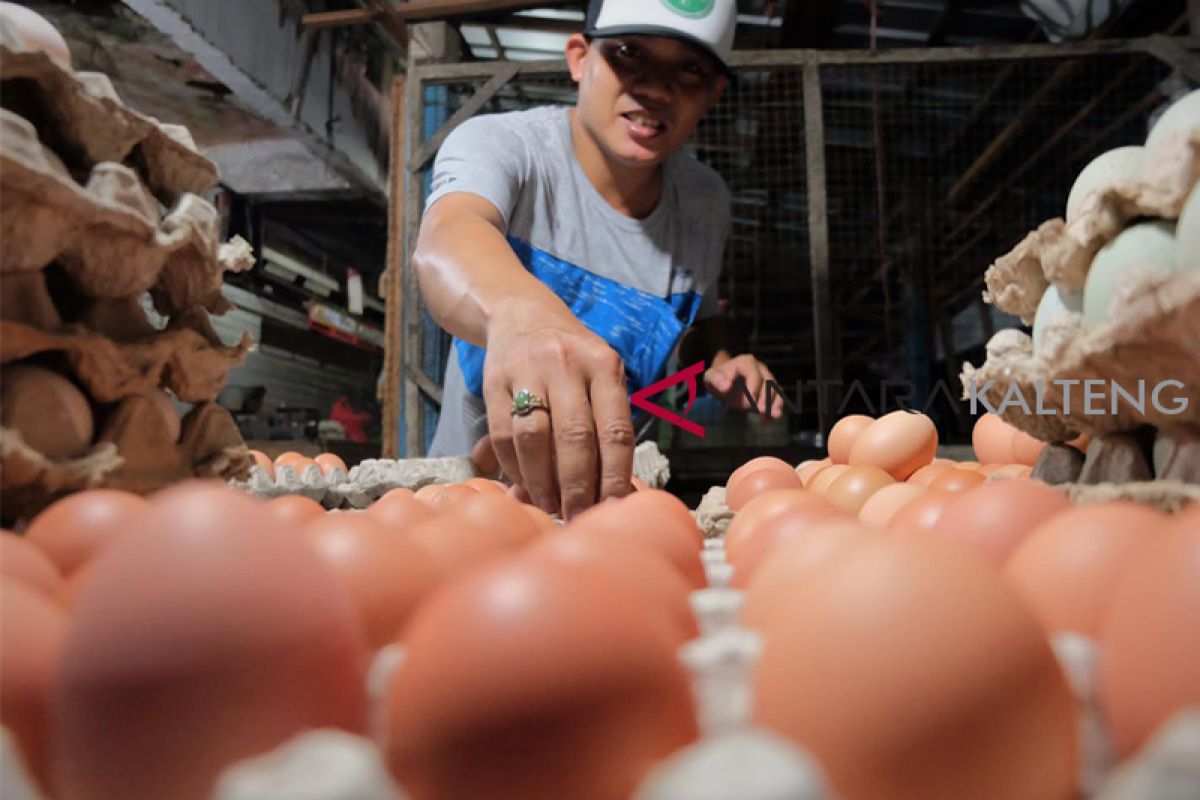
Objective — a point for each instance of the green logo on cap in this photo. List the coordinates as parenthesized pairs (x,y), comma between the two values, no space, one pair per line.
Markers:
(695,9)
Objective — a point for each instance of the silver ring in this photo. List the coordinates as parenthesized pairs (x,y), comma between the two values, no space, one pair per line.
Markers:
(526,402)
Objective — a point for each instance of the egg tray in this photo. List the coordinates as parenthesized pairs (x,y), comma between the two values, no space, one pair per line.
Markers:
(139,449)
(108,234)
(86,121)
(1060,253)
(1151,338)
(186,358)
(372,479)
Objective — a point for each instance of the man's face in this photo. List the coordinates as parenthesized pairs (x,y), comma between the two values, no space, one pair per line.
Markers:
(641,97)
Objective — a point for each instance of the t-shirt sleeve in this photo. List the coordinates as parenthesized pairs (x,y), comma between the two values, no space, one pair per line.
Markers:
(483,157)
(722,215)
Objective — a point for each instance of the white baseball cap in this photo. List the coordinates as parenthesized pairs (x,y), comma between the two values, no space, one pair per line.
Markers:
(707,24)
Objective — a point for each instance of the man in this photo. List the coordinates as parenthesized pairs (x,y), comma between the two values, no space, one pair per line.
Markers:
(569,250)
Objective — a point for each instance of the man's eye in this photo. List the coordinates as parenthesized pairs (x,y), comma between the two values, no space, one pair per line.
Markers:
(626,50)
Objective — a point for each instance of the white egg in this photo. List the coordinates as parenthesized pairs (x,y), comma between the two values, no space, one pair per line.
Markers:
(36,32)
(1187,234)
(1123,165)
(1185,114)
(1055,304)
(1148,246)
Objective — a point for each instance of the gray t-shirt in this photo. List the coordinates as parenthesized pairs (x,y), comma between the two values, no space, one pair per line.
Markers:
(638,284)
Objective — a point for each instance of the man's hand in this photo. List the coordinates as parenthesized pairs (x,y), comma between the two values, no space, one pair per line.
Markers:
(726,377)
(581,449)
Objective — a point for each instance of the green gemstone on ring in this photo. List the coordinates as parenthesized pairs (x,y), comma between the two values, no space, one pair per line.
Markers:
(523,402)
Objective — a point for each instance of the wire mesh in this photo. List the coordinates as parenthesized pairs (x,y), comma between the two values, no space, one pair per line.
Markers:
(933,171)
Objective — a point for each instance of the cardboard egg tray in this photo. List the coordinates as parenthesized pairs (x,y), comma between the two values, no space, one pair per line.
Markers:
(367,482)
(87,121)
(101,206)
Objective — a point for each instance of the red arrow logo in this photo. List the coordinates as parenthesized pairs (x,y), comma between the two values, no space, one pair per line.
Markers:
(641,399)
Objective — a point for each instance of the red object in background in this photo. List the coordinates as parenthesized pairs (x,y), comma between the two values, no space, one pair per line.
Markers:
(351,421)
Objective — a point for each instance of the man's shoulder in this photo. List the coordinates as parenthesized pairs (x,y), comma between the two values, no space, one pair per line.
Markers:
(529,125)
(701,184)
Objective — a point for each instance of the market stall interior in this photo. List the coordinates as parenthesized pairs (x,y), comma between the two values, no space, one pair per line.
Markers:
(965,562)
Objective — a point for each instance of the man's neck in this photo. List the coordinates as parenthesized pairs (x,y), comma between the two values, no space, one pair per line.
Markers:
(632,192)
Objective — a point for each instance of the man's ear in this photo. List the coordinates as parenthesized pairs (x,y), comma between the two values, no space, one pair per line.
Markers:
(718,91)
(577,50)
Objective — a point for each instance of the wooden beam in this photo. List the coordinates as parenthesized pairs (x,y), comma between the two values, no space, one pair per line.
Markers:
(423,11)
(505,73)
(391,21)
(392,387)
(828,367)
(1194,16)
(426,384)
(414,407)
(1011,131)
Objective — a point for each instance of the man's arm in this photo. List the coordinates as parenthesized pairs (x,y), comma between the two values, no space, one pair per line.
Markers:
(477,289)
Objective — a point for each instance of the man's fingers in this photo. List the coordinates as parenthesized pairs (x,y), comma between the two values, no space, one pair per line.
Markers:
(614,431)
(535,452)
(484,458)
(575,448)
(498,399)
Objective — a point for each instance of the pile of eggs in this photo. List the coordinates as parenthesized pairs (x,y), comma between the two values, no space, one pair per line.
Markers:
(481,649)
(325,462)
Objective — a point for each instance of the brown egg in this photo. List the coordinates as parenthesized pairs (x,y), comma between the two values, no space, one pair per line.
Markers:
(923,513)
(1081,442)
(296,461)
(1189,516)
(1026,449)
(427,493)
(20,561)
(502,516)
(294,512)
(770,534)
(640,567)
(994,518)
(755,464)
(75,529)
(388,575)
(1150,638)
(928,474)
(763,507)
(993,440)
(639,485)
(32,632)
(909,669)
(1014,471)
(206,636)
(261,460)
(885,504)
(854,488)
(545,522)
(899,443)
(957,480)
(792,562)
(486,486)
(452,496)
(843,436)
(37,33)
(749,485)
(650,518)
(811,469)
(51,413)
(401,510)
(820,483)
(328,462)
(973,466)
(1067,568)
(534,679)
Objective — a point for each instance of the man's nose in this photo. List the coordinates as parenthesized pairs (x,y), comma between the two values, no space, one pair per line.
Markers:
(652,88)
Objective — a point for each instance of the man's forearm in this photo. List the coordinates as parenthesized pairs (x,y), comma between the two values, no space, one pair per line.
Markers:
(469,275)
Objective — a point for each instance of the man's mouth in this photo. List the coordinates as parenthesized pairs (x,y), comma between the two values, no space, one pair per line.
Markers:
(644,125)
